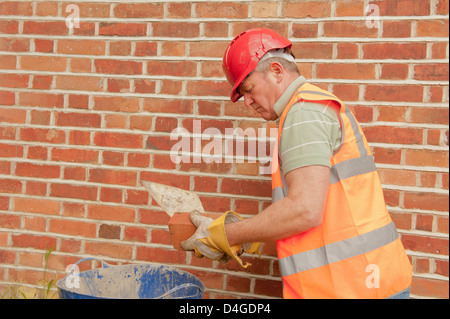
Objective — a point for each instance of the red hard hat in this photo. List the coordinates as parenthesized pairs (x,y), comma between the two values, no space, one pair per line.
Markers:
(244,53)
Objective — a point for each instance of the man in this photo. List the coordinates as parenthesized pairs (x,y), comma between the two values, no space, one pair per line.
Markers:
(335,238)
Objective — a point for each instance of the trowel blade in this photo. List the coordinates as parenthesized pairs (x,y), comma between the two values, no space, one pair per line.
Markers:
(172,199)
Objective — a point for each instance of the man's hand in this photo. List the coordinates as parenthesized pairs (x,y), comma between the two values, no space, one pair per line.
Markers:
(210,239)
(201,249)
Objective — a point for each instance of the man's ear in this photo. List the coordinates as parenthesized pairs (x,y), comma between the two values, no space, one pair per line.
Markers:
(277,70)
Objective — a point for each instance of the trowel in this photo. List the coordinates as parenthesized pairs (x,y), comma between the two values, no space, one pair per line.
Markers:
(172,199)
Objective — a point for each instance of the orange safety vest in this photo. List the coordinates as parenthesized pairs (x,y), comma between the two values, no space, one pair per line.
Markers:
(356,252)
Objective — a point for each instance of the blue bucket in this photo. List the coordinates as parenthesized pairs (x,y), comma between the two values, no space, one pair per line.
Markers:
(135,281)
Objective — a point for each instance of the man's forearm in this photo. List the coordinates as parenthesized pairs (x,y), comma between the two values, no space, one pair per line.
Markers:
(280,220)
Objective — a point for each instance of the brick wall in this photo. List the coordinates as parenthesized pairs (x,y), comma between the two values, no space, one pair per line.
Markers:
(86,113)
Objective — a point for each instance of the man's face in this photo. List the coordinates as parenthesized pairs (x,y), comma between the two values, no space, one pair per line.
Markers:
(259,91)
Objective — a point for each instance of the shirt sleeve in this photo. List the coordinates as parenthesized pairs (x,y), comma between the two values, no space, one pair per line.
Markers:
(310,135)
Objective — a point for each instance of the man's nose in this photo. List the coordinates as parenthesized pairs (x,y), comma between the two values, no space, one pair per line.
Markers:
(248,101)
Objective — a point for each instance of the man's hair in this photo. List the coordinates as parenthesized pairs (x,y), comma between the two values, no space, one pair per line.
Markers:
(263,66)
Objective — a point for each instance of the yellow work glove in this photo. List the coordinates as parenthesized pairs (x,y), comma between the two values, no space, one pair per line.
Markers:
(210,239)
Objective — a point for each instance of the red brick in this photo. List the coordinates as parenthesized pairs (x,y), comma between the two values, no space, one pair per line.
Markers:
(313,50)
(36,188)
(135,197)
(90,47)
(135,234)
(11,115)
(71,191)
(345,71)
(34,241)
(109,249)
(400,51)
(393,135)
(110,195)
(408,93)
(42,82)
(108,212)
(10,221)
(139,10)
(424,222)
(272,288)
(173,68)
(14,80)
(146,49)
(109,231)
(7,98)
(430,287)
(426,201)
(75,173)
(78,101)
(396,29)
(35,170)
(74,155)
(117,67)
(72,227)
(246,187)
(113,158)
(16,8)
(42,135)
(311,9)
(176,29)
(41,99)
(394,71)
(79,138)
(152,217)
(116,104)
(118,140)
(168,106)
(431,72)
(426,158)
(14,45)
(123,29)
(81,83)
(160,255)
(40,206)
(178,10)
(7,150)
(44,27)
(78,119)
(349,29)
(403,7)
(159,143)
(113,177)
(35,223)
(138,160)
(432,28)
(160,236)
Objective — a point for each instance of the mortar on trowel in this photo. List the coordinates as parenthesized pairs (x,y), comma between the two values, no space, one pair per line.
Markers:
(178,204)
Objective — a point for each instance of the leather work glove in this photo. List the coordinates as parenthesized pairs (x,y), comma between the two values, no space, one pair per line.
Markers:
(210,239)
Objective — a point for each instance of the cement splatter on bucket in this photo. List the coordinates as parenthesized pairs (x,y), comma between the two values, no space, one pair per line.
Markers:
(134,281)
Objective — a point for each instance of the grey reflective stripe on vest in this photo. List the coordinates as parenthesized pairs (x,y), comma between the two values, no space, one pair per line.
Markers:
(338,251)
(352,167)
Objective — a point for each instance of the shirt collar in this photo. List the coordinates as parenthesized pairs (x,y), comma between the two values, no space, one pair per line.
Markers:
(282,102)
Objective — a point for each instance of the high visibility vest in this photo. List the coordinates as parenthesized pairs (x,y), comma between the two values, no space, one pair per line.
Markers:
(356,252)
